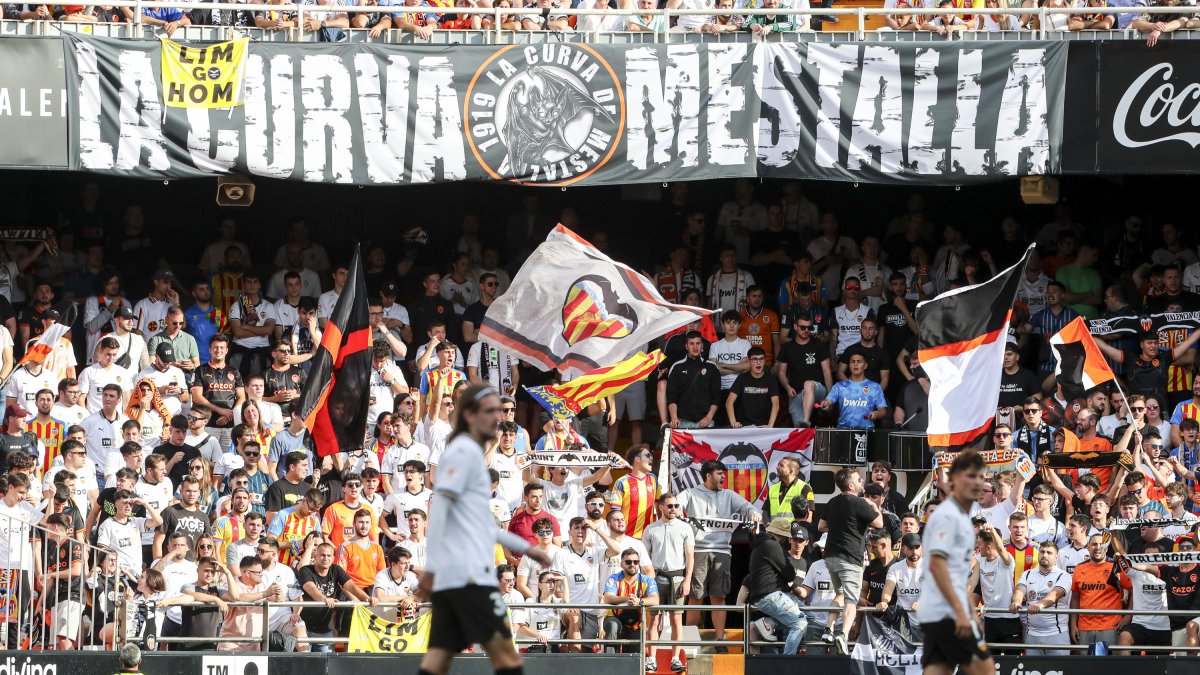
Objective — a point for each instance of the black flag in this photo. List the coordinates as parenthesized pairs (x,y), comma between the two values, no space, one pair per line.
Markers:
(336,396)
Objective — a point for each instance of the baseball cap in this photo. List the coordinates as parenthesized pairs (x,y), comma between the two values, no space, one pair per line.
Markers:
(911,540)
(799,531)
(165,352)
(163,276)
(1010,346)
(978,520)
(123,312)
(388,289)
(51,313)
(15,410)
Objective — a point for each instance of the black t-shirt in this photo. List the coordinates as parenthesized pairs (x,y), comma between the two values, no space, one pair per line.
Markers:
(1189,301)
(179,471)
(192,523)
(202,620)
(58,558)
(895,327)
(754,397)
(1147,376)
(877,359)
(283,494)
(24,442)
(1015,388)
(425,309)
(817,314)
(847,517)
(219,386)
(279,380)
(874,577)
(474,314)
(318,619)
(769,570)
(1138,545)
(1181,591)
(804,362)
(31,317)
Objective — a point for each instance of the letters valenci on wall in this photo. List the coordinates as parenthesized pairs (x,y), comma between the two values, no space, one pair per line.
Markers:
(569,113)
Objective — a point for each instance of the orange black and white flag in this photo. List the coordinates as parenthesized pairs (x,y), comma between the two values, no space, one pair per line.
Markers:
(961,348)
(336,395)
(1080,365)
(574,309)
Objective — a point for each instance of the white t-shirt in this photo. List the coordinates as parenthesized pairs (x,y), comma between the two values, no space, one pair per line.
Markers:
(24,387)
(948,534)
(996,582)
(594,23)
(163,378)
(511,485)
(848,324)
(1048,529)
(1175,531)
(132,344)
(435,362)
(310,283)
(382,398)
(403,501)
(126,539)
(726,290)
(151,315)
(1038,585)
(397,455)
(155,495)
(908,584)
(103,436)
(178,575)
(565,501)
(613,565)
(867,275)
(468,289)
(85,481)
(582,571)
(272,415)
(1069,557)
(326,303)
(462,546)
(434,434)
(398,312)
(529,569)
(726,353)
(388,585)
(997,515)
(496,368)
(542,620)
(1149,595)
(817,580)
(69,415)
(286,578)
(264,312)
(355,462)
(93,379)
(16,535)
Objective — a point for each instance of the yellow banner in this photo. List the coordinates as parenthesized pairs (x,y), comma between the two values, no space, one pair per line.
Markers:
(212,76)
(372,635)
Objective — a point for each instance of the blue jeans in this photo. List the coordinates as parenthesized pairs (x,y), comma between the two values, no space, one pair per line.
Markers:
(796,405)
(325,647)
(785,609)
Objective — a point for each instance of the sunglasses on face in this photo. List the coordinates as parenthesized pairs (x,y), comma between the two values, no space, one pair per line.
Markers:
(1032,411)
(798,327)
(596,504)
(670,506)
(204,546)
(1002,434)
(545,533)
(353,484)
(630,562)
(1139,408)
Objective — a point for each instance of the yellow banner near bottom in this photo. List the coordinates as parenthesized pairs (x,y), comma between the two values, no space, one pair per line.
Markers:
(370,634)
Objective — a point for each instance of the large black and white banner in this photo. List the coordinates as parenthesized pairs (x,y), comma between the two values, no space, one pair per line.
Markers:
(888,646)
(568,113)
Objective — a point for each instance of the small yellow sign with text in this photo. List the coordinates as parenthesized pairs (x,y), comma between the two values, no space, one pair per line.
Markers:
(373,635)
(210,76)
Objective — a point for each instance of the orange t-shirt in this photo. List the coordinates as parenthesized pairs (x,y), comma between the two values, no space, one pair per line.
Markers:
(761,330)
(362,564)
(1097,585)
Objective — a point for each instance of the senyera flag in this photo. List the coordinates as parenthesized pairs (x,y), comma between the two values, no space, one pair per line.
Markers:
(567,399)
(961,348)
(39,351)
(336,396)
(574,309)
(1079,365)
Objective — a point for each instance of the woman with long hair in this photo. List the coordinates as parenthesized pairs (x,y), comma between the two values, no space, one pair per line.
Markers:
(148,409)
(201,469)
(253,419)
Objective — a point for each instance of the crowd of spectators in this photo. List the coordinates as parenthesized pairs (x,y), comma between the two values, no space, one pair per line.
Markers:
(422,17)
(155,452)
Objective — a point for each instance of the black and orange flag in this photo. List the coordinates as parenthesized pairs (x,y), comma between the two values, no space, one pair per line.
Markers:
(336,396)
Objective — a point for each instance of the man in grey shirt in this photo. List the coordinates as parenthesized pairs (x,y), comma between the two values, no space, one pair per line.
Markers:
(711,574)
(671,544)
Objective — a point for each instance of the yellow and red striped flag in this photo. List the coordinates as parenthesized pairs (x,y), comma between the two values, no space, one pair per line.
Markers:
(39,351)
(566,400)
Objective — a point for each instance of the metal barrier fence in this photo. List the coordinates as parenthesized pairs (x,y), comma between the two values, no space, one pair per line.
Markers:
(662,34)
(30,618)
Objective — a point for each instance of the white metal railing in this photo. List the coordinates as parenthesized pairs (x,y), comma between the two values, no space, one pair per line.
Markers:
(661,34)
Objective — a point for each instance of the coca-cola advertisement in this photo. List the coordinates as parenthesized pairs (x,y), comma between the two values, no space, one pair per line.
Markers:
(1145,102)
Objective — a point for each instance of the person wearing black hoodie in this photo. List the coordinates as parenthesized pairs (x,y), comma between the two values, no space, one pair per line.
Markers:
(771,580)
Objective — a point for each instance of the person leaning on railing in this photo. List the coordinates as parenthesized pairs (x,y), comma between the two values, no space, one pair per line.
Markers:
(1157,24)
